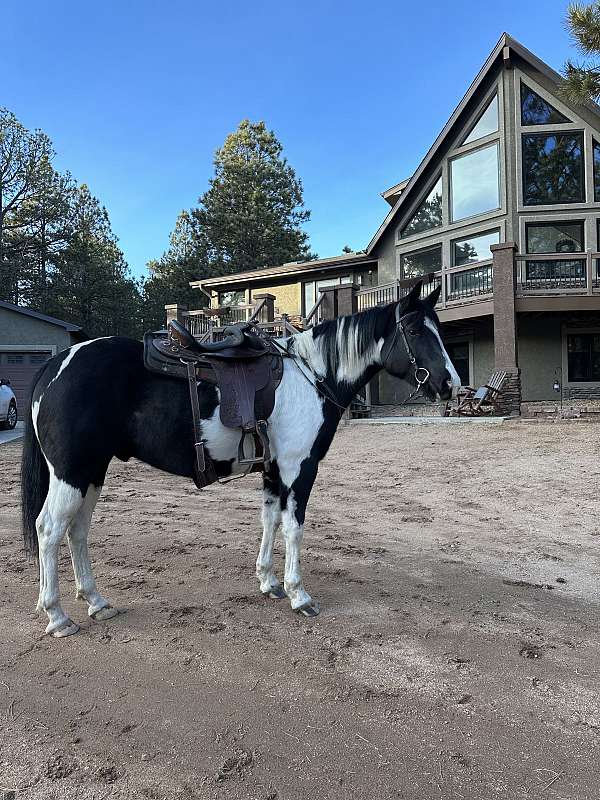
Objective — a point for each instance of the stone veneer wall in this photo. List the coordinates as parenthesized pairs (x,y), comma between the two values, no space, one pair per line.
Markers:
(509,401)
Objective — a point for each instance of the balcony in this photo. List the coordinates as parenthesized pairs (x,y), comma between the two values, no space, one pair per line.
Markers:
(460,286)
(558,274)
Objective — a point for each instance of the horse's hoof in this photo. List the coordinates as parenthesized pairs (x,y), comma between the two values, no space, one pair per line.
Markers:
(68,629)
(275,593)
(308,610)
(108,612)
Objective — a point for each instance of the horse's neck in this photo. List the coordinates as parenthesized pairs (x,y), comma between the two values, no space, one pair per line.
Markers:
(346,367)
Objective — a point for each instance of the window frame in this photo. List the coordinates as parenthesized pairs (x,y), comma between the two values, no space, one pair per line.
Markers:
(468,340)
(482,144)
(465,238)
(572,330)
(579,124)
(426,248)
(539,134)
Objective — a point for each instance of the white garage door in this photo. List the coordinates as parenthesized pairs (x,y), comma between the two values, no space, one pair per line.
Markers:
(20,369)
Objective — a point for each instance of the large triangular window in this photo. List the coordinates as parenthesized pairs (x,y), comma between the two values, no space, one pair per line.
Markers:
(428,215)
(537,111)
(486,124)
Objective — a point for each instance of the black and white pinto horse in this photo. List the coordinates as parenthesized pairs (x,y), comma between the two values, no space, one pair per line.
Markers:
(96,401)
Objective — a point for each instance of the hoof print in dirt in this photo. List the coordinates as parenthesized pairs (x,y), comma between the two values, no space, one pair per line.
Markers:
(531,651)
(235,766)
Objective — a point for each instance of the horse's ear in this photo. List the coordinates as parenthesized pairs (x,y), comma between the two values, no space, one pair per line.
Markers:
(414,294)
(433,297)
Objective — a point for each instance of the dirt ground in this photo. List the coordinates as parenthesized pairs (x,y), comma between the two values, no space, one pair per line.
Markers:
(457,654)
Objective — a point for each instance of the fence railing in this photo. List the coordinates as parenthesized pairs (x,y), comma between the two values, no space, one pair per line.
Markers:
(459,285)
(558,273)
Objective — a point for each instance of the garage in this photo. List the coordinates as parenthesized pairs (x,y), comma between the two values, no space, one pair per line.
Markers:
(28,339)
(20,369)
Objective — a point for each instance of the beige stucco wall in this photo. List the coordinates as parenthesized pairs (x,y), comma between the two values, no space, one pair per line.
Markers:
(18,329)
(288,297)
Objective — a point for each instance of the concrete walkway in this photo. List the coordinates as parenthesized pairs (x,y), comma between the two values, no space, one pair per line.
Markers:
(9,436)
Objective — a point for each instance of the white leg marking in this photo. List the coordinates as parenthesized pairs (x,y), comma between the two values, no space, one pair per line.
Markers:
(293,532)
(271,519)
(78,545)
(60,508)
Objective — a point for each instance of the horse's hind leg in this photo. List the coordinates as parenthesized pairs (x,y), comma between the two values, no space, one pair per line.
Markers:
(271,518)
(99,606)
(60,508)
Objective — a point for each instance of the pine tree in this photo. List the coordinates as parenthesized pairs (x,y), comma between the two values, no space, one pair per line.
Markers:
(582,80)
(250,217)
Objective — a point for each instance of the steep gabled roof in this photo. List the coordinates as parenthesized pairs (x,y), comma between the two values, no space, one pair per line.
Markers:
(501,52)
(28,312)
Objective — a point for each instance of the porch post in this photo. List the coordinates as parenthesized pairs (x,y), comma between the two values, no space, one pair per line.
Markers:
(268,312)
(176,312)
(329,305)
(347,301)
(505,325)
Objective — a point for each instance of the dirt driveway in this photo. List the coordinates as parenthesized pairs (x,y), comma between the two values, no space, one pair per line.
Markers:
(457,654)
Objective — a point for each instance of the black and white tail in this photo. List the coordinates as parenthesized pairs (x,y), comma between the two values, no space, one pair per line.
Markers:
(34,485)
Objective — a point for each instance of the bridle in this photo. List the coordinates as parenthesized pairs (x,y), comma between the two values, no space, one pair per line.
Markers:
(421,374)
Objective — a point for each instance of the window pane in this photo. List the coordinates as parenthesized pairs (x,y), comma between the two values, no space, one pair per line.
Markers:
(459,355)
(474,181)
(555,237)
(232,298)
(596,171)
(309,296)
(537,111)
(421,262)
(583,352)
(477,248)
(553,168)
(428,215)
(487,123)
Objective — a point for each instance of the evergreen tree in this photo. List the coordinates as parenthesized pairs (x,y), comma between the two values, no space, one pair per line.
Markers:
(90,284)
(250,217)
(582,80)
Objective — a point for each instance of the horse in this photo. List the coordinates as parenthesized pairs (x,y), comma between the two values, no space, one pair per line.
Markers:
(96,401)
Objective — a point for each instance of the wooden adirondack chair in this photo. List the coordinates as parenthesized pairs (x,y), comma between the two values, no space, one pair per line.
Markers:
(478,402)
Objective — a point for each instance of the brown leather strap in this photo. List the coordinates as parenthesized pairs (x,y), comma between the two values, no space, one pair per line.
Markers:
(204,472)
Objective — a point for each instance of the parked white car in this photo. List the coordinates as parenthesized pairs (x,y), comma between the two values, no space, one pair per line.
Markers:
(8,406)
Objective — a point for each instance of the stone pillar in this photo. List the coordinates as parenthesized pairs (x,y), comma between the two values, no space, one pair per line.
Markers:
(505,326)
(176,312)
(268,312)
(347,301)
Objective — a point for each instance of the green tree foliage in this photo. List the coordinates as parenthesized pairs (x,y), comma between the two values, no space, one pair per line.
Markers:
(58,253)
(250,217)
(582,80)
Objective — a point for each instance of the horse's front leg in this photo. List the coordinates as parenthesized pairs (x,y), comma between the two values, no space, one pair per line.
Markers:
(271,519)
(293,509)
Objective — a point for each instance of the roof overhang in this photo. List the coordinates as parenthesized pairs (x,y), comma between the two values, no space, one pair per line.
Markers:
(28,312)
(293,270)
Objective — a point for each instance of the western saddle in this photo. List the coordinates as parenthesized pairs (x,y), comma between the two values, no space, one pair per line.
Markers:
(246,366)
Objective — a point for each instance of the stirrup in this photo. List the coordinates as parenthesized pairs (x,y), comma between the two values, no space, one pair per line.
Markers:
(241,457)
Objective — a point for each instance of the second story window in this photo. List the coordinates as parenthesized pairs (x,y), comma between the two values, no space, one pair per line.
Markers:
(428,215)
(474,183)
(421,262)
(555,237)
(474,249)
(553,168)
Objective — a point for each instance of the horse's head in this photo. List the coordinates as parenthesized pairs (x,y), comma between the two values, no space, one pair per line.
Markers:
(412,348)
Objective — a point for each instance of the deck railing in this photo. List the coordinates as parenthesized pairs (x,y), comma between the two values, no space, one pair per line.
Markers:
(558,273)
(459,285)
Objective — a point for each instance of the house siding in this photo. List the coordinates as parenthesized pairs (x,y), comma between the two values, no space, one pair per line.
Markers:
(19,329)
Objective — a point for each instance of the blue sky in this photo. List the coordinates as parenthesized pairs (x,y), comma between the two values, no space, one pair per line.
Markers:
(137,96)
